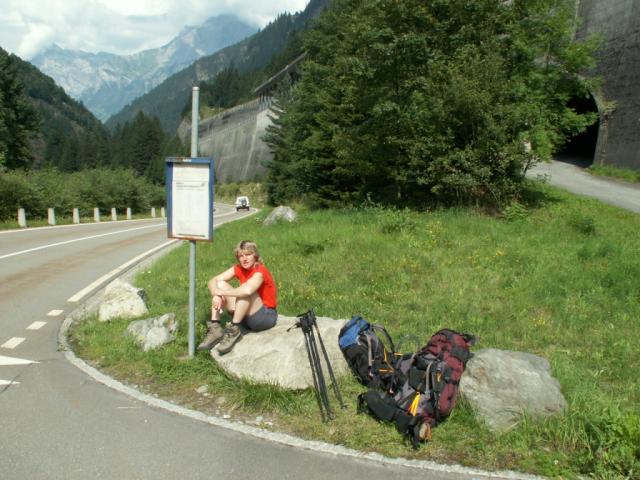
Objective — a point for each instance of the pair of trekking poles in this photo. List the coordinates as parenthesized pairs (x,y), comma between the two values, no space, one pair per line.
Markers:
(307,322)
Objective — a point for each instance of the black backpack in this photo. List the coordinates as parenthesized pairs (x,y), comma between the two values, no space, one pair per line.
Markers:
(369,352)
(425,388)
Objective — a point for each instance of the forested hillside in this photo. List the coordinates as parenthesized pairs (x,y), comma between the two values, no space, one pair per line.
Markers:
(70,137)
(19,120)
(49,129)
(45,134)
(43,127)
(167,101)
(55,153)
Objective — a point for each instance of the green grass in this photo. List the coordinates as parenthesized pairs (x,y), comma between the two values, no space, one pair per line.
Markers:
(615,172)
(558,278)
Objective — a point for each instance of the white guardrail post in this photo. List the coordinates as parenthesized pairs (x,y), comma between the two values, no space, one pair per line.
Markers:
(51,216)
(96,215)
(22,218)
(76,215)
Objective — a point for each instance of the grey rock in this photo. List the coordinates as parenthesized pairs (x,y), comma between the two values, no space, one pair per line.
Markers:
(202,389)
(501,385)
(279,214)
(122,300)
(154,332)
(279,356)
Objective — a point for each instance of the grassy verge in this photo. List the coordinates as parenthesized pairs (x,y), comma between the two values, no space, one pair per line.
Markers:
(615,172)
(557,277)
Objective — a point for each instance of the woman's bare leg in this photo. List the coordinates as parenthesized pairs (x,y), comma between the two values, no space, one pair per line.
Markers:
(246,306)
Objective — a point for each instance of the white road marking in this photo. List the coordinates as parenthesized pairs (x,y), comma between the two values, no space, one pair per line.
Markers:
(36,325)
(78,296)
(14,361)
(35,249)
(13,342)
(54,313)
(73,225)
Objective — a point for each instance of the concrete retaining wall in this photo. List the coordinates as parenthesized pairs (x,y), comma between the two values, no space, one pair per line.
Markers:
(234,140)
(618,22)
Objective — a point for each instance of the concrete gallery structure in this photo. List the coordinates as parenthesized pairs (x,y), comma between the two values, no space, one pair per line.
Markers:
(617,22)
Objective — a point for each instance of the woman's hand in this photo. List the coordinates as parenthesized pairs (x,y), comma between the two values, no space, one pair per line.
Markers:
(218,301)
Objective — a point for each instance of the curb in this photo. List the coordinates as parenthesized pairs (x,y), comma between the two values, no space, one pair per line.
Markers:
(91,303)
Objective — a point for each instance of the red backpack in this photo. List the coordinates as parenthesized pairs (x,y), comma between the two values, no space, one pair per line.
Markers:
(426,386)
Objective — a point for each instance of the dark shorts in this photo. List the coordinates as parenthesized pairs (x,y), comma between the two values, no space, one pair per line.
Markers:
(263,319)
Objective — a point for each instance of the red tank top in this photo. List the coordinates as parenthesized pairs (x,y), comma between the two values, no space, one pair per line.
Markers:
(267,291)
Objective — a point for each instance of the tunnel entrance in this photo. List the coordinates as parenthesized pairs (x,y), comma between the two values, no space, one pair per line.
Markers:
(580,150)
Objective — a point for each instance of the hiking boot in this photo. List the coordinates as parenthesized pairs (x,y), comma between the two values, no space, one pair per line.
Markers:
(213,336)
(232,334)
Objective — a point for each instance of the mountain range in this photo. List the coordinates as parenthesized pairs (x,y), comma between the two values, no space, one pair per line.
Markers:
(106,82)
(168,99)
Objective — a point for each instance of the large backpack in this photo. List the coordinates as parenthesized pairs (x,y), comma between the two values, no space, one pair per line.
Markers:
(369,352)
(426,386)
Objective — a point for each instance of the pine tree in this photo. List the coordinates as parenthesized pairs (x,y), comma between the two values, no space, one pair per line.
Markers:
(19,121)
(418,102)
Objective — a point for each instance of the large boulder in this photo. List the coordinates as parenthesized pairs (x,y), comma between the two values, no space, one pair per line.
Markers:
(154,332)
(122,300)
(281,214)
(279,355)
(501,385)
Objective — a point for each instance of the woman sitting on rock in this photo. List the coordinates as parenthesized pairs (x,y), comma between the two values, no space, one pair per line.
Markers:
(253,303)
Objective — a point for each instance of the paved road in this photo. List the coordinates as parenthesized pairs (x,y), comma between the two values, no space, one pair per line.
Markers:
(573,178)
(58,421)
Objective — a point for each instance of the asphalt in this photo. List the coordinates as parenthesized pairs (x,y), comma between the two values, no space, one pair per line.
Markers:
(571,175)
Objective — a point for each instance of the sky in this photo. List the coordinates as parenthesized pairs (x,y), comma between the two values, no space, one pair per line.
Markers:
(118,26)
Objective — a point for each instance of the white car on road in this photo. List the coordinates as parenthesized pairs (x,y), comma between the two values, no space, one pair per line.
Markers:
(242,203)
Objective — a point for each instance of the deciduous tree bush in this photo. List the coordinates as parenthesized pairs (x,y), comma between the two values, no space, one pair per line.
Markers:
(38,190)
(16,192)
(416,103)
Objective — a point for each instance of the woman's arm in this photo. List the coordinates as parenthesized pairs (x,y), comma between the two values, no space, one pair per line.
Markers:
(245,290)
(218,301)
(225,276)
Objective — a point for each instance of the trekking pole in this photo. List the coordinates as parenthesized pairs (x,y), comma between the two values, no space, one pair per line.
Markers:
(318,366)
(314,375)
(314,363)
(334,383)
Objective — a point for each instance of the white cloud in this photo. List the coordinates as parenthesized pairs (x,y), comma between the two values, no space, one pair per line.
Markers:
(39,36)
(118,26)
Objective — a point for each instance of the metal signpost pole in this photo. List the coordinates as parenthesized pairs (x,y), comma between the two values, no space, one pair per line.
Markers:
(195,97)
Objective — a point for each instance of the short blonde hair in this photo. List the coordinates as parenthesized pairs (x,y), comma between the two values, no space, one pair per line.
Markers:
(247,246)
